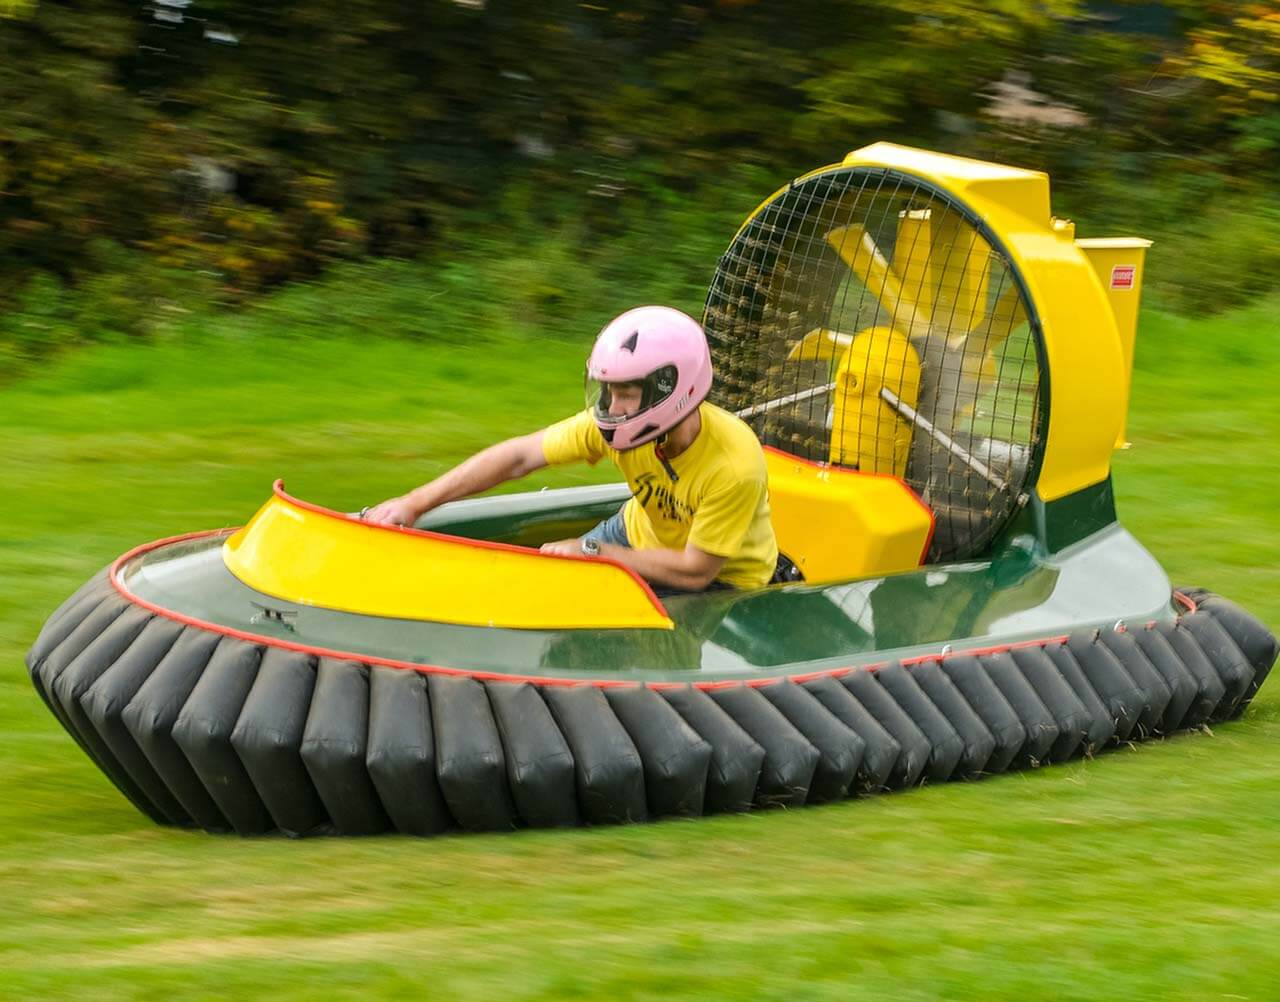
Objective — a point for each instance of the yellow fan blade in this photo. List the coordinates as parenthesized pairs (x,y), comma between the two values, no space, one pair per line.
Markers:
(912,257)
(961,266)
(819,344)
(858,251)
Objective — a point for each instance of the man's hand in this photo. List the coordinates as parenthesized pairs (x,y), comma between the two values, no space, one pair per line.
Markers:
(563,548)
(395,511)
(495,465)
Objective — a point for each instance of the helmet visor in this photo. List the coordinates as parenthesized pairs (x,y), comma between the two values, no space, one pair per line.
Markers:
(613,403)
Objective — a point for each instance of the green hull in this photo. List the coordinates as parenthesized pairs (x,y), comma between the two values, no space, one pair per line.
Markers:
(1058,568)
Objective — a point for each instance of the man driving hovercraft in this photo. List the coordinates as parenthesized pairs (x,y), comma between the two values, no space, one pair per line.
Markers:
(698,516)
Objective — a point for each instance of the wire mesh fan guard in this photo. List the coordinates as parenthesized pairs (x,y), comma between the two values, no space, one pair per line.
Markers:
(866,318)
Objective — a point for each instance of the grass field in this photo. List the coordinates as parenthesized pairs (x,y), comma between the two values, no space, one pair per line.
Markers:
(1148,873)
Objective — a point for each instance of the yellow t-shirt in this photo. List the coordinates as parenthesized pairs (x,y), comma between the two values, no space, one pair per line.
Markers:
(720,503)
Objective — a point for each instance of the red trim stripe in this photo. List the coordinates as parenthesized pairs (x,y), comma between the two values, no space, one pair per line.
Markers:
(325,652)
(494,676)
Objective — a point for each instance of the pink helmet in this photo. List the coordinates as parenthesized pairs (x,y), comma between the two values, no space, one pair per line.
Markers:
(663,350)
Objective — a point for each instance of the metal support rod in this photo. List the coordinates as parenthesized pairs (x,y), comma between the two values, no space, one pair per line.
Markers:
(957,450)
(791,398)
(905,411)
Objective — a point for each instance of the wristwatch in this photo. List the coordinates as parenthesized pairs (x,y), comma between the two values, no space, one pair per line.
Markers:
(590,546)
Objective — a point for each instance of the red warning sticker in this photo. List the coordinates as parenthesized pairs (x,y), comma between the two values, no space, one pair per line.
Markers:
(1122,276)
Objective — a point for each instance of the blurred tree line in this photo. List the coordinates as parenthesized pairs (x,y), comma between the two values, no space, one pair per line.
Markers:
(171,149)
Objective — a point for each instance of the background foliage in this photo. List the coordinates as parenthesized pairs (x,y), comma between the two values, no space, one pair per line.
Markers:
(161,156)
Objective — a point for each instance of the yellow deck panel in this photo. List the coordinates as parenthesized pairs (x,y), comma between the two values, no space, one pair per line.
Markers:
(309,555)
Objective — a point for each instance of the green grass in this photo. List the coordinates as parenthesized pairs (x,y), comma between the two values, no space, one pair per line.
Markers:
(1148,873)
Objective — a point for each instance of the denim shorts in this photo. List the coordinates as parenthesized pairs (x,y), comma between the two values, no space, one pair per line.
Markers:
(612,530)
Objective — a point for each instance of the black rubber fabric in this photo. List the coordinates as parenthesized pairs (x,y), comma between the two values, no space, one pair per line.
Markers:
(675,758)
(880,750)
(1210,691)
(152,712)
(48,669)
(401,754)
(1256,642)
(913,757)
(69,615)
(610,775)
(76,679)
(945,746)
(75,676)
(1007,733)
(469,759)
(840,749)
(736,758)
(979,743)
(201,729)
(1037,721)
(789,759)
(103,613)
(1181,684)
(1119,693)
(1144,676)
(539,763)
(55,631)
(335,743)
(104,704)
(268,739)
(1225,656)
(1101,725)
(1058,697)
(203,732)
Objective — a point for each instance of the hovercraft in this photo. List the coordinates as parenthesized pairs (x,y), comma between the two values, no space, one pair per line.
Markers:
(939,372)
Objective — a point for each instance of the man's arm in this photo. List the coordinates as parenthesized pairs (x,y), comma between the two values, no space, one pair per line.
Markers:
(509,460)
(720,524)
(690,569)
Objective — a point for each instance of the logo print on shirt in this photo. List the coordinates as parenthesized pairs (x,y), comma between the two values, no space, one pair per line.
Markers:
(649,488)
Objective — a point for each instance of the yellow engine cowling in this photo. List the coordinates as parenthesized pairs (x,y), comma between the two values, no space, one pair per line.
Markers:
(838,525)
